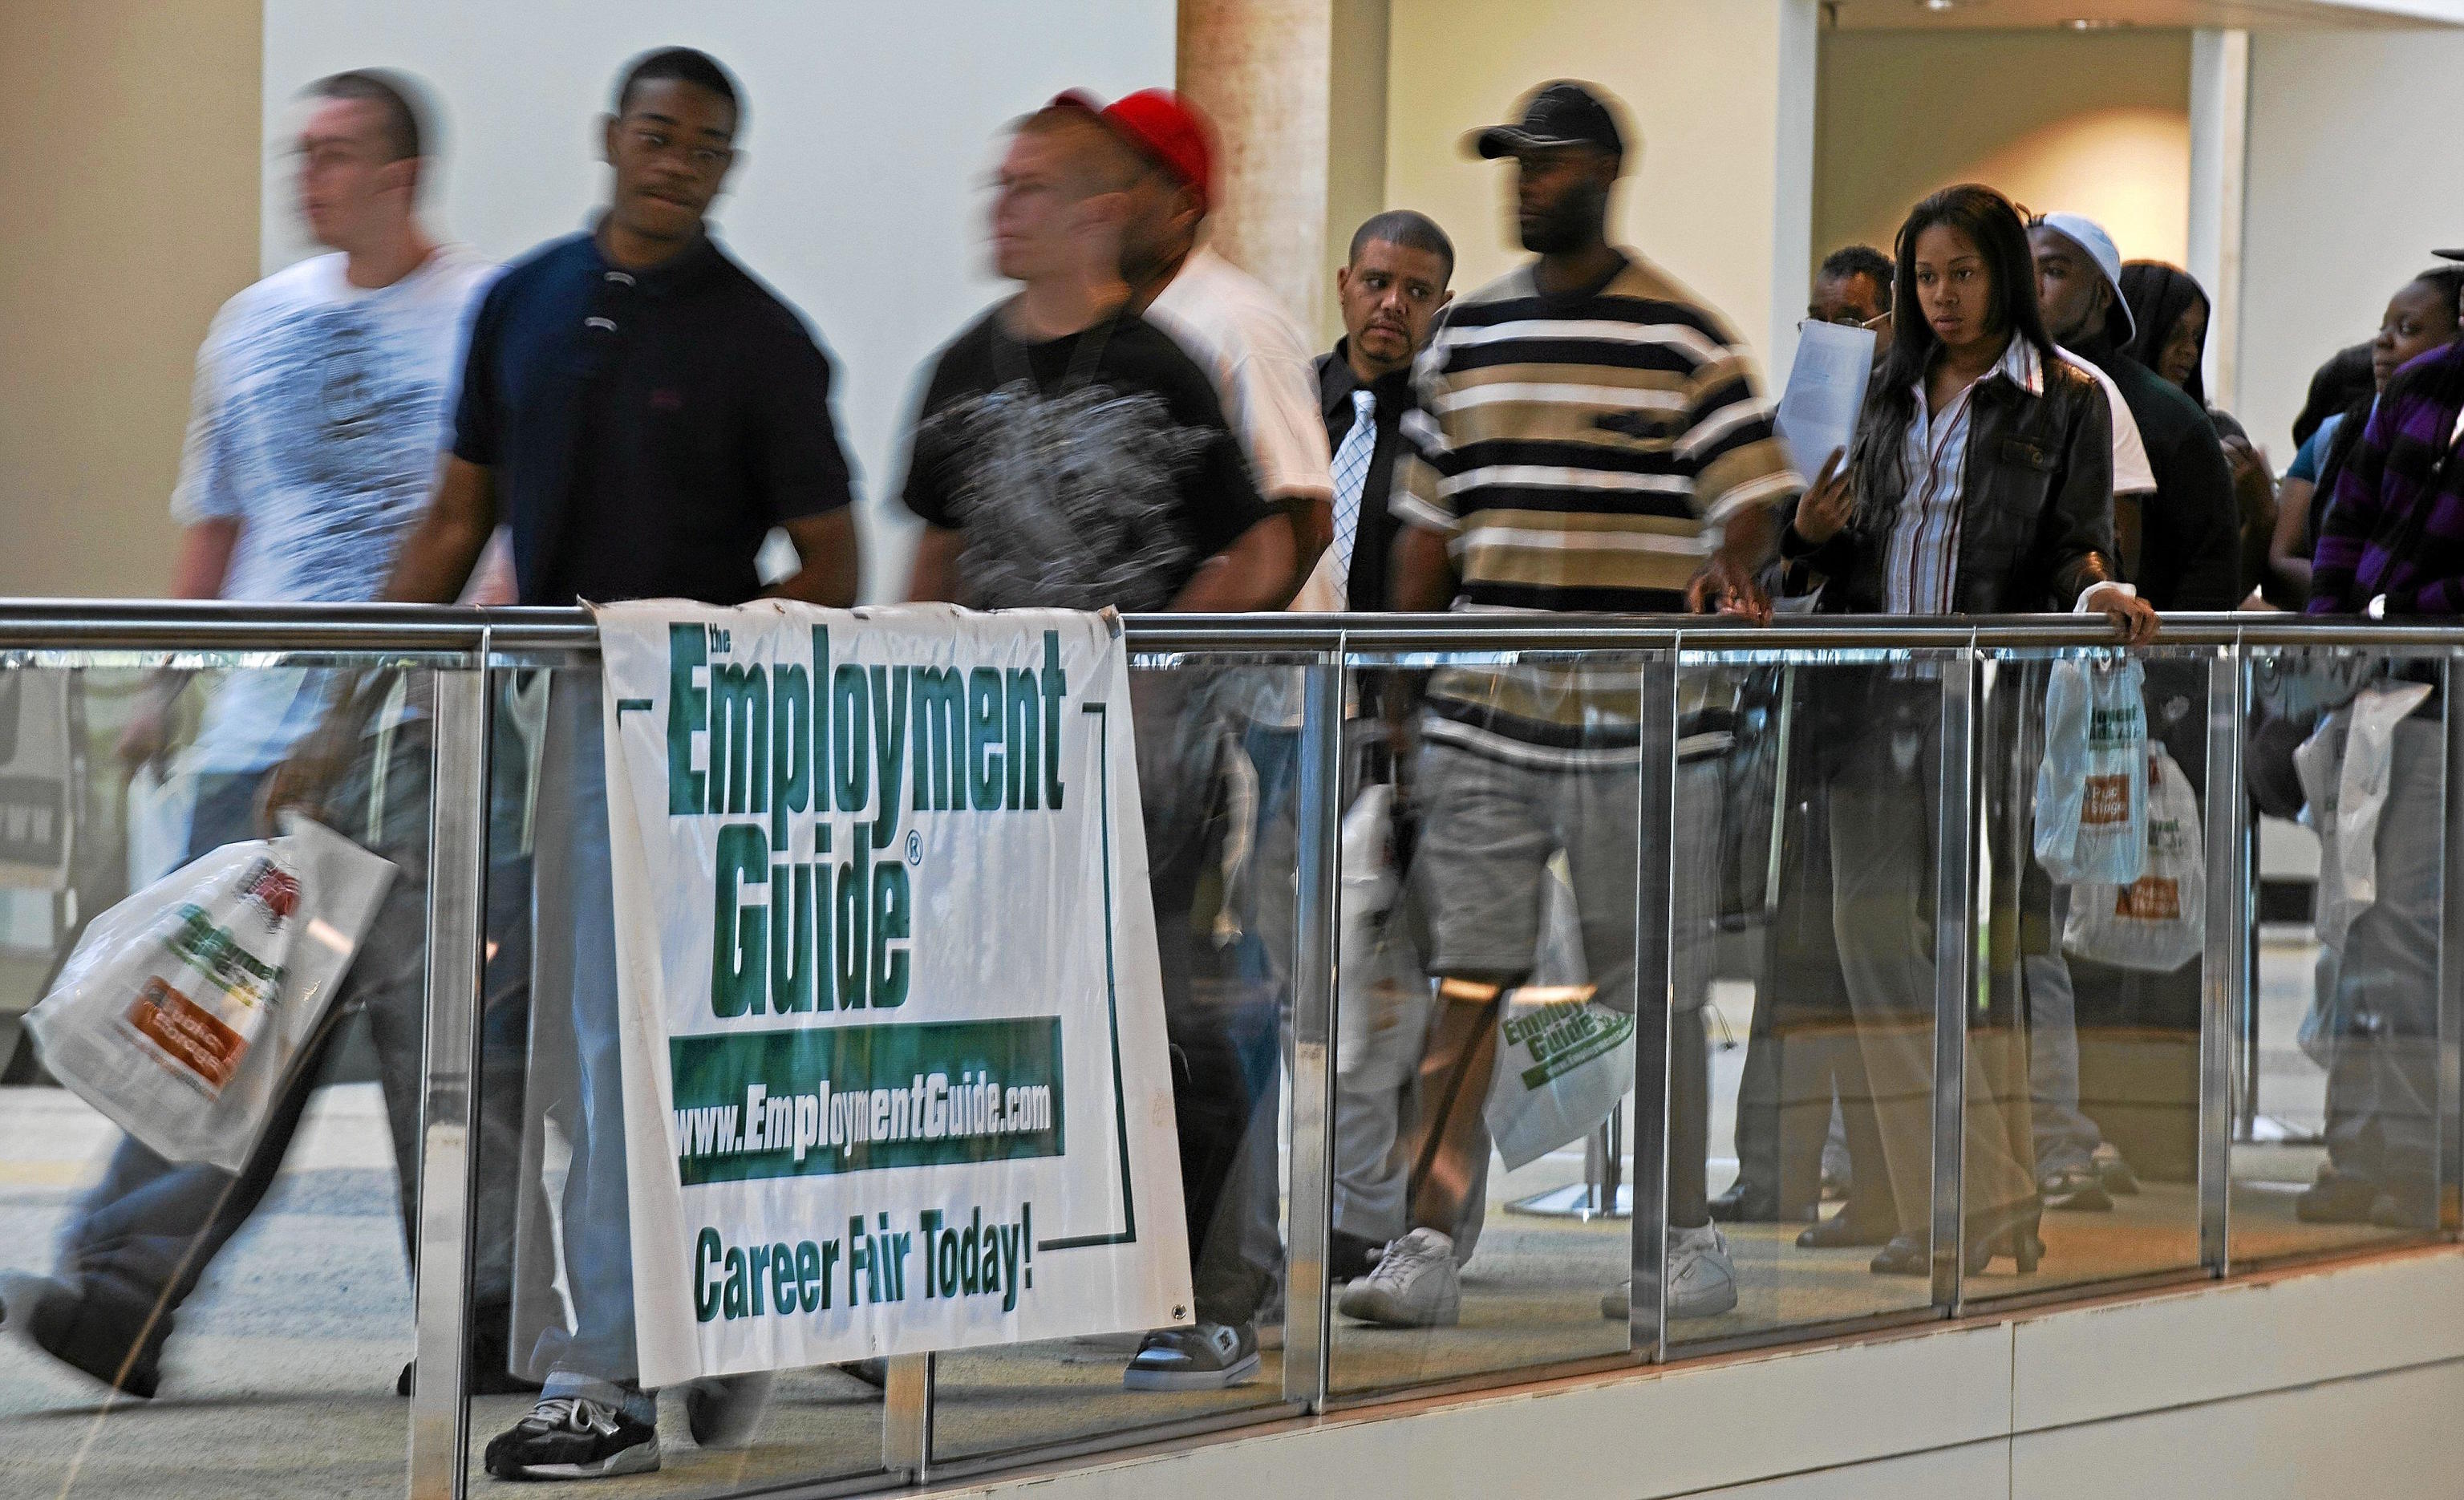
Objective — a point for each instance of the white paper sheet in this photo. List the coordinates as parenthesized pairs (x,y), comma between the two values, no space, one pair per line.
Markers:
(1826,390)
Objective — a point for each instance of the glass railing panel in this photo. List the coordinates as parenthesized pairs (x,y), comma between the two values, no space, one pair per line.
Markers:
(2335,1086)
(1221,737)
(2093,983)
(551,1284)
(1808,821)
(1485,1105)
(224,1285)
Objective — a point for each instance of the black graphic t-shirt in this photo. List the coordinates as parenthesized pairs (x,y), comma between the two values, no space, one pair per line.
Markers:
(1089,471)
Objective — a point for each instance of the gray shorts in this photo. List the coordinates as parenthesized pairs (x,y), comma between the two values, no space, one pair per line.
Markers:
(1487,828)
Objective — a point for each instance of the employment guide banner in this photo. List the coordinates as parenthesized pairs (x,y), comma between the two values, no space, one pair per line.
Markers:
(893,1043)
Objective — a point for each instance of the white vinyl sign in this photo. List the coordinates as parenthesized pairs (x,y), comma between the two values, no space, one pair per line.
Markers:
(894,1041)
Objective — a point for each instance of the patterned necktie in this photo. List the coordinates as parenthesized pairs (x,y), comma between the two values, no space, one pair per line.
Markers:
(1351,477)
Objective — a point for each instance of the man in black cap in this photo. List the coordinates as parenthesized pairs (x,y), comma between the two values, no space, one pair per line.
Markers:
(1589,438)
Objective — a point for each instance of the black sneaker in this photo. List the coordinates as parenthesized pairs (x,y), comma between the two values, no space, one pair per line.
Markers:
(42,1314)
(1208,1358)
(723,1410)
(1348,1257)
(2076,1189)
(567,1436)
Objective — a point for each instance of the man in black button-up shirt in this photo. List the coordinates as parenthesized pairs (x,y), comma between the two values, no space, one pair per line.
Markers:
(1390,293)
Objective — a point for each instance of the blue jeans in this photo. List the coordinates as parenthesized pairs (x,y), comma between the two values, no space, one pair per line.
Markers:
(2065,1138)
(574,1018)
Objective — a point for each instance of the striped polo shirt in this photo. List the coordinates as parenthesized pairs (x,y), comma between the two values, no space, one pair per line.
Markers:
(1579,453)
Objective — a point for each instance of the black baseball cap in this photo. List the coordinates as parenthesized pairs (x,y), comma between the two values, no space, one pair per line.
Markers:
(2449,255)
(1562,113)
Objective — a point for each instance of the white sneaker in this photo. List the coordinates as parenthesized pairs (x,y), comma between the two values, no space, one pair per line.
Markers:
(1702,1283)
(1415,1284)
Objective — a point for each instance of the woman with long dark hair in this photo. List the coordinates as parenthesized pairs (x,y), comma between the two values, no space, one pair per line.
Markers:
(1980,481)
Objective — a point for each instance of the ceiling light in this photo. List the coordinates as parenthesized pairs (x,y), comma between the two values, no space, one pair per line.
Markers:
(2089,23)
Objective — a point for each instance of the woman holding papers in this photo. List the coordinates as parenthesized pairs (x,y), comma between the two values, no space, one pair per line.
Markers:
(1979,481)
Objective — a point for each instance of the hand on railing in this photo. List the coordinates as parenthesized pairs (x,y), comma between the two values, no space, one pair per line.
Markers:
(1729,582)
(2133,618)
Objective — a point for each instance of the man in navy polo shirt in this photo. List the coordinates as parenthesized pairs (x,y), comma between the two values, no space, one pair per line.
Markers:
(641,412)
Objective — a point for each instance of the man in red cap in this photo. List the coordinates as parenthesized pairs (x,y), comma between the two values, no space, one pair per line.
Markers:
(1262,365)
(1227,321)
(1069,454)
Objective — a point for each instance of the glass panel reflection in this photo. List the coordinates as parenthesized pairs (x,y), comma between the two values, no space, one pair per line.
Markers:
(1485,1032)
(171,1315)
(1808,808)
(2335,1140)
(552,1284)
(2097,771)
(1220,740)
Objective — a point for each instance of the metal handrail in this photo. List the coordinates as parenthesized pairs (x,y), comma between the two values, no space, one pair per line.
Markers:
(212,626)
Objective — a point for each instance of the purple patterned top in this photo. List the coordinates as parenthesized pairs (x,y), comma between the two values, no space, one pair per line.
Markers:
(2396,524)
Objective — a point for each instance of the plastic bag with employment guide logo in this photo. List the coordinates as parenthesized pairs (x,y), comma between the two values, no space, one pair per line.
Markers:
(184,1005)
(1564,1059)
(2091,786)
(2159,922)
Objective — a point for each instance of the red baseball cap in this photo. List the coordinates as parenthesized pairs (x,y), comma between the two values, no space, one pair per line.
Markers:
(1162,127)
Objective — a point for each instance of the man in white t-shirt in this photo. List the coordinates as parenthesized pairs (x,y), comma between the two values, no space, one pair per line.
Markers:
(316,424)
(319,423)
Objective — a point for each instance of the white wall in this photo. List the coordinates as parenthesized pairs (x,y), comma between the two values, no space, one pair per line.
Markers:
(2354,177)
(870,128)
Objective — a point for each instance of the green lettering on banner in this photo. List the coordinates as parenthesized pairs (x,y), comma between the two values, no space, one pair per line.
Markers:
(889,746)
(791,748)
(688,715)
(939,736)
(1025,719)
(739,932)
(739,738)
(866,1097)
(850,716)
(985,738)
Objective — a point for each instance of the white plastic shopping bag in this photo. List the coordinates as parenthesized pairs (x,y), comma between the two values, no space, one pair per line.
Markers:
(2091,792)
(2343,768)
(1382,1006)
(184,1004)
(2158,922)
(1564,1060)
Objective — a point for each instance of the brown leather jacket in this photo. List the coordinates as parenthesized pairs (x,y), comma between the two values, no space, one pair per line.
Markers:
(2036,504)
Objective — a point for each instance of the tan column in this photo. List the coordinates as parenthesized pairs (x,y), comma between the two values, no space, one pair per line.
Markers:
(130,178)
(1296,89)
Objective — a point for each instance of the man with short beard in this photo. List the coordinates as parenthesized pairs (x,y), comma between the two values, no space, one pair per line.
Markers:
(1590,439)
